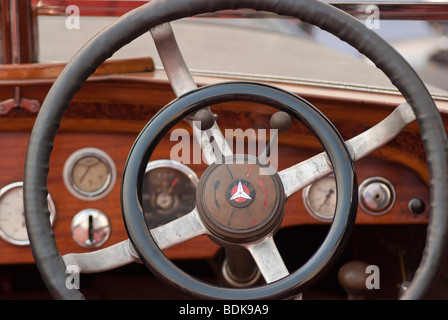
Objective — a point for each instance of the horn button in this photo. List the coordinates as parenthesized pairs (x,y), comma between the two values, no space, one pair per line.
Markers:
(238,201)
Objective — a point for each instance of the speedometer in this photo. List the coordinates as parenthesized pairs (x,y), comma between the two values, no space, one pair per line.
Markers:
(168,191)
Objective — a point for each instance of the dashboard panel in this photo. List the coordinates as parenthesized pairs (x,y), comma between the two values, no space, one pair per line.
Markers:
(106,116)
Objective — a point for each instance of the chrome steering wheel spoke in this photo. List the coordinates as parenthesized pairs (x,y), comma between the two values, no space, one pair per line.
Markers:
(268,259)
(175,232)
(179,230)
(109,258)
(306,172)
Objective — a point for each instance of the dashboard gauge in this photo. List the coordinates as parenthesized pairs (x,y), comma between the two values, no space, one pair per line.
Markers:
(89,174)
(320,198)
(90,228)
(168,191)
(12,214)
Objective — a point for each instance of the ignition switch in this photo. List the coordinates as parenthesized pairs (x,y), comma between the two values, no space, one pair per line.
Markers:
(377,195)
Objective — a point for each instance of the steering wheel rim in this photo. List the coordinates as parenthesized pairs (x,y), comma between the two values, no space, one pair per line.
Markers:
(137,22)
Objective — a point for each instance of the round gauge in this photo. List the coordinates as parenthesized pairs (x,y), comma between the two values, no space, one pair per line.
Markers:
(168,191)
(90,228)
(89,173)
(320,198)
(12,214)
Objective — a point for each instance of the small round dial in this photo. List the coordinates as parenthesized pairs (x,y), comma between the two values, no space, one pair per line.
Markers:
(168,191)
(89,173)
(320,198)
(12,214)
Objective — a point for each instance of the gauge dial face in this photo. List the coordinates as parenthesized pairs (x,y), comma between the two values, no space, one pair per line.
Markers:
(320,198)
(89,173)
(168,192)
(12,214)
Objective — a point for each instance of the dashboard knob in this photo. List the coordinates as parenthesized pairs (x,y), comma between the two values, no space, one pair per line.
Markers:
(90,228)
(417,206)
(205,118)
(280,121)
(377,195)
(352,276)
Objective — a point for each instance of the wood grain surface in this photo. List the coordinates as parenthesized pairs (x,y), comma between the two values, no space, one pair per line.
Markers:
(111,109)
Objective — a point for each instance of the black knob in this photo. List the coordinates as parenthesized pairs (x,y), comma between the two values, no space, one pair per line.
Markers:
(280,121)
(417,206)
(205,118)
(352,276)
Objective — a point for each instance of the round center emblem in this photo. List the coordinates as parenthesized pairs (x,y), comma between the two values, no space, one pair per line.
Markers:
(240,193)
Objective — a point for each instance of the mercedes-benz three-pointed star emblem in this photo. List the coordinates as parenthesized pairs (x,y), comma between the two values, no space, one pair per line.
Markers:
(240,194)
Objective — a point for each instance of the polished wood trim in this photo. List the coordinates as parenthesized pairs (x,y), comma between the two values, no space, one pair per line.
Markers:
(111,109)
(117,145)
(37,72)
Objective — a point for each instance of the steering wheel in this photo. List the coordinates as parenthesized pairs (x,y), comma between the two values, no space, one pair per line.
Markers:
(146,245)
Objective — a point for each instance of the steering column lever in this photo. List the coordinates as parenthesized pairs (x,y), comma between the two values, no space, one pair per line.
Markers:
(280,122)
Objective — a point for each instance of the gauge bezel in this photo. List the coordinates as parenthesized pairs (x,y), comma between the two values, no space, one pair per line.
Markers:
(166,163)
(71,184)
(306,201)
(177,166)
(51,207)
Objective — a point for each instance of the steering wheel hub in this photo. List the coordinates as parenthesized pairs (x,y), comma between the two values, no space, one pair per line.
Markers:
(238,202)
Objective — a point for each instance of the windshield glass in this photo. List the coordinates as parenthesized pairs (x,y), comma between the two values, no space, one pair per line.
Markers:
(277,47)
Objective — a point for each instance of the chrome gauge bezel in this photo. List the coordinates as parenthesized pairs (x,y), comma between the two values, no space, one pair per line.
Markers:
(7,237)
(306,200)
(165,163)
(182,169)
(70,164)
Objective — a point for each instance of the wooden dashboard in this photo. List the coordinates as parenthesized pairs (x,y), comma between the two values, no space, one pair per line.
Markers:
(115,104)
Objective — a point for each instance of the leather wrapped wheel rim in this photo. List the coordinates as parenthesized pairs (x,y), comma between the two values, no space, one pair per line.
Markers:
(139,21)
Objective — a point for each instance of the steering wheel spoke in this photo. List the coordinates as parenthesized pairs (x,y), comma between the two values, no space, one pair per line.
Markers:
(175,67)
(306,172)
(268,259)
(180,230)
(109,258)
